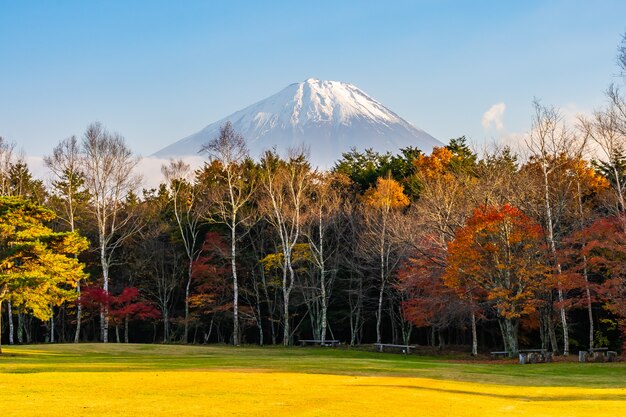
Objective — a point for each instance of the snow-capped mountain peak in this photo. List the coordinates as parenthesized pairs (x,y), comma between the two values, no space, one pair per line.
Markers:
(329,117)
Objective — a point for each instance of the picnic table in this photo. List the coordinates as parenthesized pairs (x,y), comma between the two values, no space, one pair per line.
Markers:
(405,348)
(527,356)
(332,343)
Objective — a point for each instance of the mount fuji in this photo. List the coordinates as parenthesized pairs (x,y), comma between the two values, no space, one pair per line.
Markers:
(327,117)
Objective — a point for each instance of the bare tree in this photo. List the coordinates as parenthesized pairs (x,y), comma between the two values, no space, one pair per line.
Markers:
(286,187)
(621,55)
(188,213)
(548,142)
(322,231)
(607,130)
(108,166)
(234,185)
(7,159)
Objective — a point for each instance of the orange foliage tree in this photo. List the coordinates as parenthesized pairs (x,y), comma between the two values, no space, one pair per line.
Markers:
(499,252)
(381,202)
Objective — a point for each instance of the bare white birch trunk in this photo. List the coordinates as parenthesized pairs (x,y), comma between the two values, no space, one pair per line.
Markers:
(552,245)
(233,262)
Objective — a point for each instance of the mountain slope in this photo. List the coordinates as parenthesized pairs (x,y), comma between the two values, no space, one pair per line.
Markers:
(328,117)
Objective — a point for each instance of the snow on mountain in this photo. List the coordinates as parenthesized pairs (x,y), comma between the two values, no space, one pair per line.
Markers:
(327,117)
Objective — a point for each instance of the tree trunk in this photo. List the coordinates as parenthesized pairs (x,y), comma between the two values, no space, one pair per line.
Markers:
(52,325)
(379,311)
(233,263)
(320,231)
(552,334)
(270,308)
(286,317)
(166,325)
(382,280)
(20,327)
(585,272)
(187,290)
(9,309)
(126,325)
(474,336)
(505,340)
(542,330)
(79,313)
(552,245)
(286,295)
(355,309)
(509,327)
(104,310)
(618,183)
(589,309)
(260,327)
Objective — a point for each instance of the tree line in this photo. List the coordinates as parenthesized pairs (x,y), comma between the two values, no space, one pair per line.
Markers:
(500,248)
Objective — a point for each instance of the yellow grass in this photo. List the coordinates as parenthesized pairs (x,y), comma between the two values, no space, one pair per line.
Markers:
(228,393)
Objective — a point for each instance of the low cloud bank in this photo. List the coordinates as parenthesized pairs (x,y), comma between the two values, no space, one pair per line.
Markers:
(149,168)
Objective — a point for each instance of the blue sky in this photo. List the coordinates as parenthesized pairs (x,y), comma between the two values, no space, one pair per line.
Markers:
(156,71)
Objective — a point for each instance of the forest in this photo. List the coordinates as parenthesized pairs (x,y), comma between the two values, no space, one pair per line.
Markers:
(501,248)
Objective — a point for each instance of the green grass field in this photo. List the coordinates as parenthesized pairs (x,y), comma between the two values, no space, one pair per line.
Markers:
(117,379)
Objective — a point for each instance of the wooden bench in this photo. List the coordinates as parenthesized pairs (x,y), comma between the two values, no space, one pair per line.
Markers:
(405,348)
(332,343)
(496,355)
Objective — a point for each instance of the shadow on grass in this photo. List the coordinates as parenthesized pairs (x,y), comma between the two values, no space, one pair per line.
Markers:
(525,398)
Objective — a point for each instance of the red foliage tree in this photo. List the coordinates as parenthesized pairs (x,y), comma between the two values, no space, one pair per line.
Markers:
(211,294)
(605,254)
(429,301)
(122,308)
(499,252)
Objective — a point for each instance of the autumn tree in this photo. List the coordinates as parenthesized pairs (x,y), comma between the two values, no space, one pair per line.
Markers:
(383,202)
(126,306)
(588,185)
(429,302)
(447,192)
(499,251)
(233,187)
(211,294)
(602,258)
(38,267)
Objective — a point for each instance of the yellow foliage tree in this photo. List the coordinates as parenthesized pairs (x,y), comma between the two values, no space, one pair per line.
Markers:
(38,267)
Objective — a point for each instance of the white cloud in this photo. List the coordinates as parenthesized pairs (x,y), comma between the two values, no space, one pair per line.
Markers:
(150,168)
(493,116)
